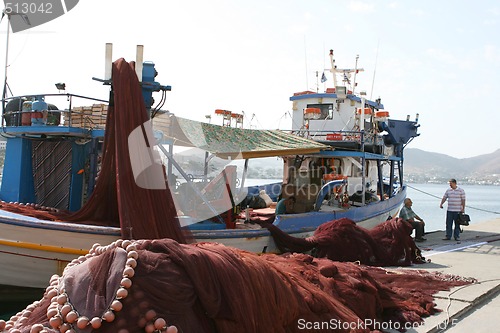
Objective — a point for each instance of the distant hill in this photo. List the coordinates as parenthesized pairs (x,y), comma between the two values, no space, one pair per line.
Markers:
(198,154)
(421,162)
(420,166)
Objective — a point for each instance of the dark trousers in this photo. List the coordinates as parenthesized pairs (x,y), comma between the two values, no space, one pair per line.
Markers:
(419,229)
(452,218)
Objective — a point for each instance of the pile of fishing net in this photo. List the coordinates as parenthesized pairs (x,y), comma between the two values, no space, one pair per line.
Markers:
(33,210)
(388,244)
(164,286)
(117,200)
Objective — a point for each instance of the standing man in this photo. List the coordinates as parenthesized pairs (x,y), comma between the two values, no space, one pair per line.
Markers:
(456,205)
(416,222)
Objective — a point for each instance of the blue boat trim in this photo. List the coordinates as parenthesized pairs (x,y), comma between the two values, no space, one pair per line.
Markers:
(333,95)
(366,155)
(54,130)
(307,222)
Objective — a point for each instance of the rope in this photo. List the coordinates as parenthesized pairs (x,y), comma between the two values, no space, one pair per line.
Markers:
(447,310)
(435,196)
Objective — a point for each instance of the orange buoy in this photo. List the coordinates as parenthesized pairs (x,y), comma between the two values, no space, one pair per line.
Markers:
(222,112)
(382,114)
(366,111)
(312,113)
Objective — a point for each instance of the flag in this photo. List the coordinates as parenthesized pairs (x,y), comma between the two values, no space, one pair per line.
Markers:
(323,78)
(346,78)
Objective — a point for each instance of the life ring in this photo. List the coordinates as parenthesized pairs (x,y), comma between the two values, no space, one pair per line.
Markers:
(312,113)
(332,176)
(366,111)
(381,114)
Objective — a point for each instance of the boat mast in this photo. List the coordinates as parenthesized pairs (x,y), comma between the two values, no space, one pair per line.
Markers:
(9,13)
(4,92)
(333,69)
(363,159)
(355,72)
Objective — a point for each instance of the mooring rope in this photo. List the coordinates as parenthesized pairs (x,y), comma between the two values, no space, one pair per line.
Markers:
(435,196)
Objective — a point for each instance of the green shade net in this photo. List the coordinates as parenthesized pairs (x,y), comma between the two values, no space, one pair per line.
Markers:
(238,143)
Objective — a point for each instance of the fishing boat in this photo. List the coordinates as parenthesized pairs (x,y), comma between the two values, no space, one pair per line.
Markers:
(343,157)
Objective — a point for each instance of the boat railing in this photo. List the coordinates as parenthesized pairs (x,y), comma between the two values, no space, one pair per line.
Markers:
(342,137)
(79,111)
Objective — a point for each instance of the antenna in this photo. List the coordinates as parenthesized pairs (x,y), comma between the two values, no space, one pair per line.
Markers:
(374,70)
(4,93)
(355,72)
(305,59)
(9,13)
(317,81)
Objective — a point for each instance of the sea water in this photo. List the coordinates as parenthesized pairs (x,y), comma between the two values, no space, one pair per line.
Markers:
(482,203)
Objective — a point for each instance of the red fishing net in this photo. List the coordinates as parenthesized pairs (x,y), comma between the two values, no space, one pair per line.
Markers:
(140,212)
(387,244)
(208,287)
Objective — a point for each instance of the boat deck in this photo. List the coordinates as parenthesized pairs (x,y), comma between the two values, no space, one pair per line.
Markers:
(471,308)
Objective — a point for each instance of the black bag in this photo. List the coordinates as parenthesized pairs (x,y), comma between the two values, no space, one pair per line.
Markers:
(253,201)
(463,219)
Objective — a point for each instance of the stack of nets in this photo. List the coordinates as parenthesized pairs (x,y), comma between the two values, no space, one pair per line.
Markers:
(388,244)
(207,287)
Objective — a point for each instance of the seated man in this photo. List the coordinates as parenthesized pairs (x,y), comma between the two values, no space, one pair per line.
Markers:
(409,216)
(285,206)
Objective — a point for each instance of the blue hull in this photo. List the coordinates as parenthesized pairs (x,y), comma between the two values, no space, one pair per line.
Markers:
(293,224)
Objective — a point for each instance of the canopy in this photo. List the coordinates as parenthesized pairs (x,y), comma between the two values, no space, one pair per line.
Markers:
(235,143)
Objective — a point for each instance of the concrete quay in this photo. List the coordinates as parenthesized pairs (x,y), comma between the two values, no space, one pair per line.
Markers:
(471,308)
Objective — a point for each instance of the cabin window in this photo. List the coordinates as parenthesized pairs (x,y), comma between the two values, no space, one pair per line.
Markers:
(306,177)
(326,110)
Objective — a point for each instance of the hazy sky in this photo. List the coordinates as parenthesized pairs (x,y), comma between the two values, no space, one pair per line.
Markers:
(440,59)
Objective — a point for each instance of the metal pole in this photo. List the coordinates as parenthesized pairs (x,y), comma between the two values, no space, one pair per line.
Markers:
(363,170)
(380,181)
(391,181)
(243,177)
(355,72)
(139,58)
(108,62)
(333,70)
(4,94)
(190,183)
(362,136)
